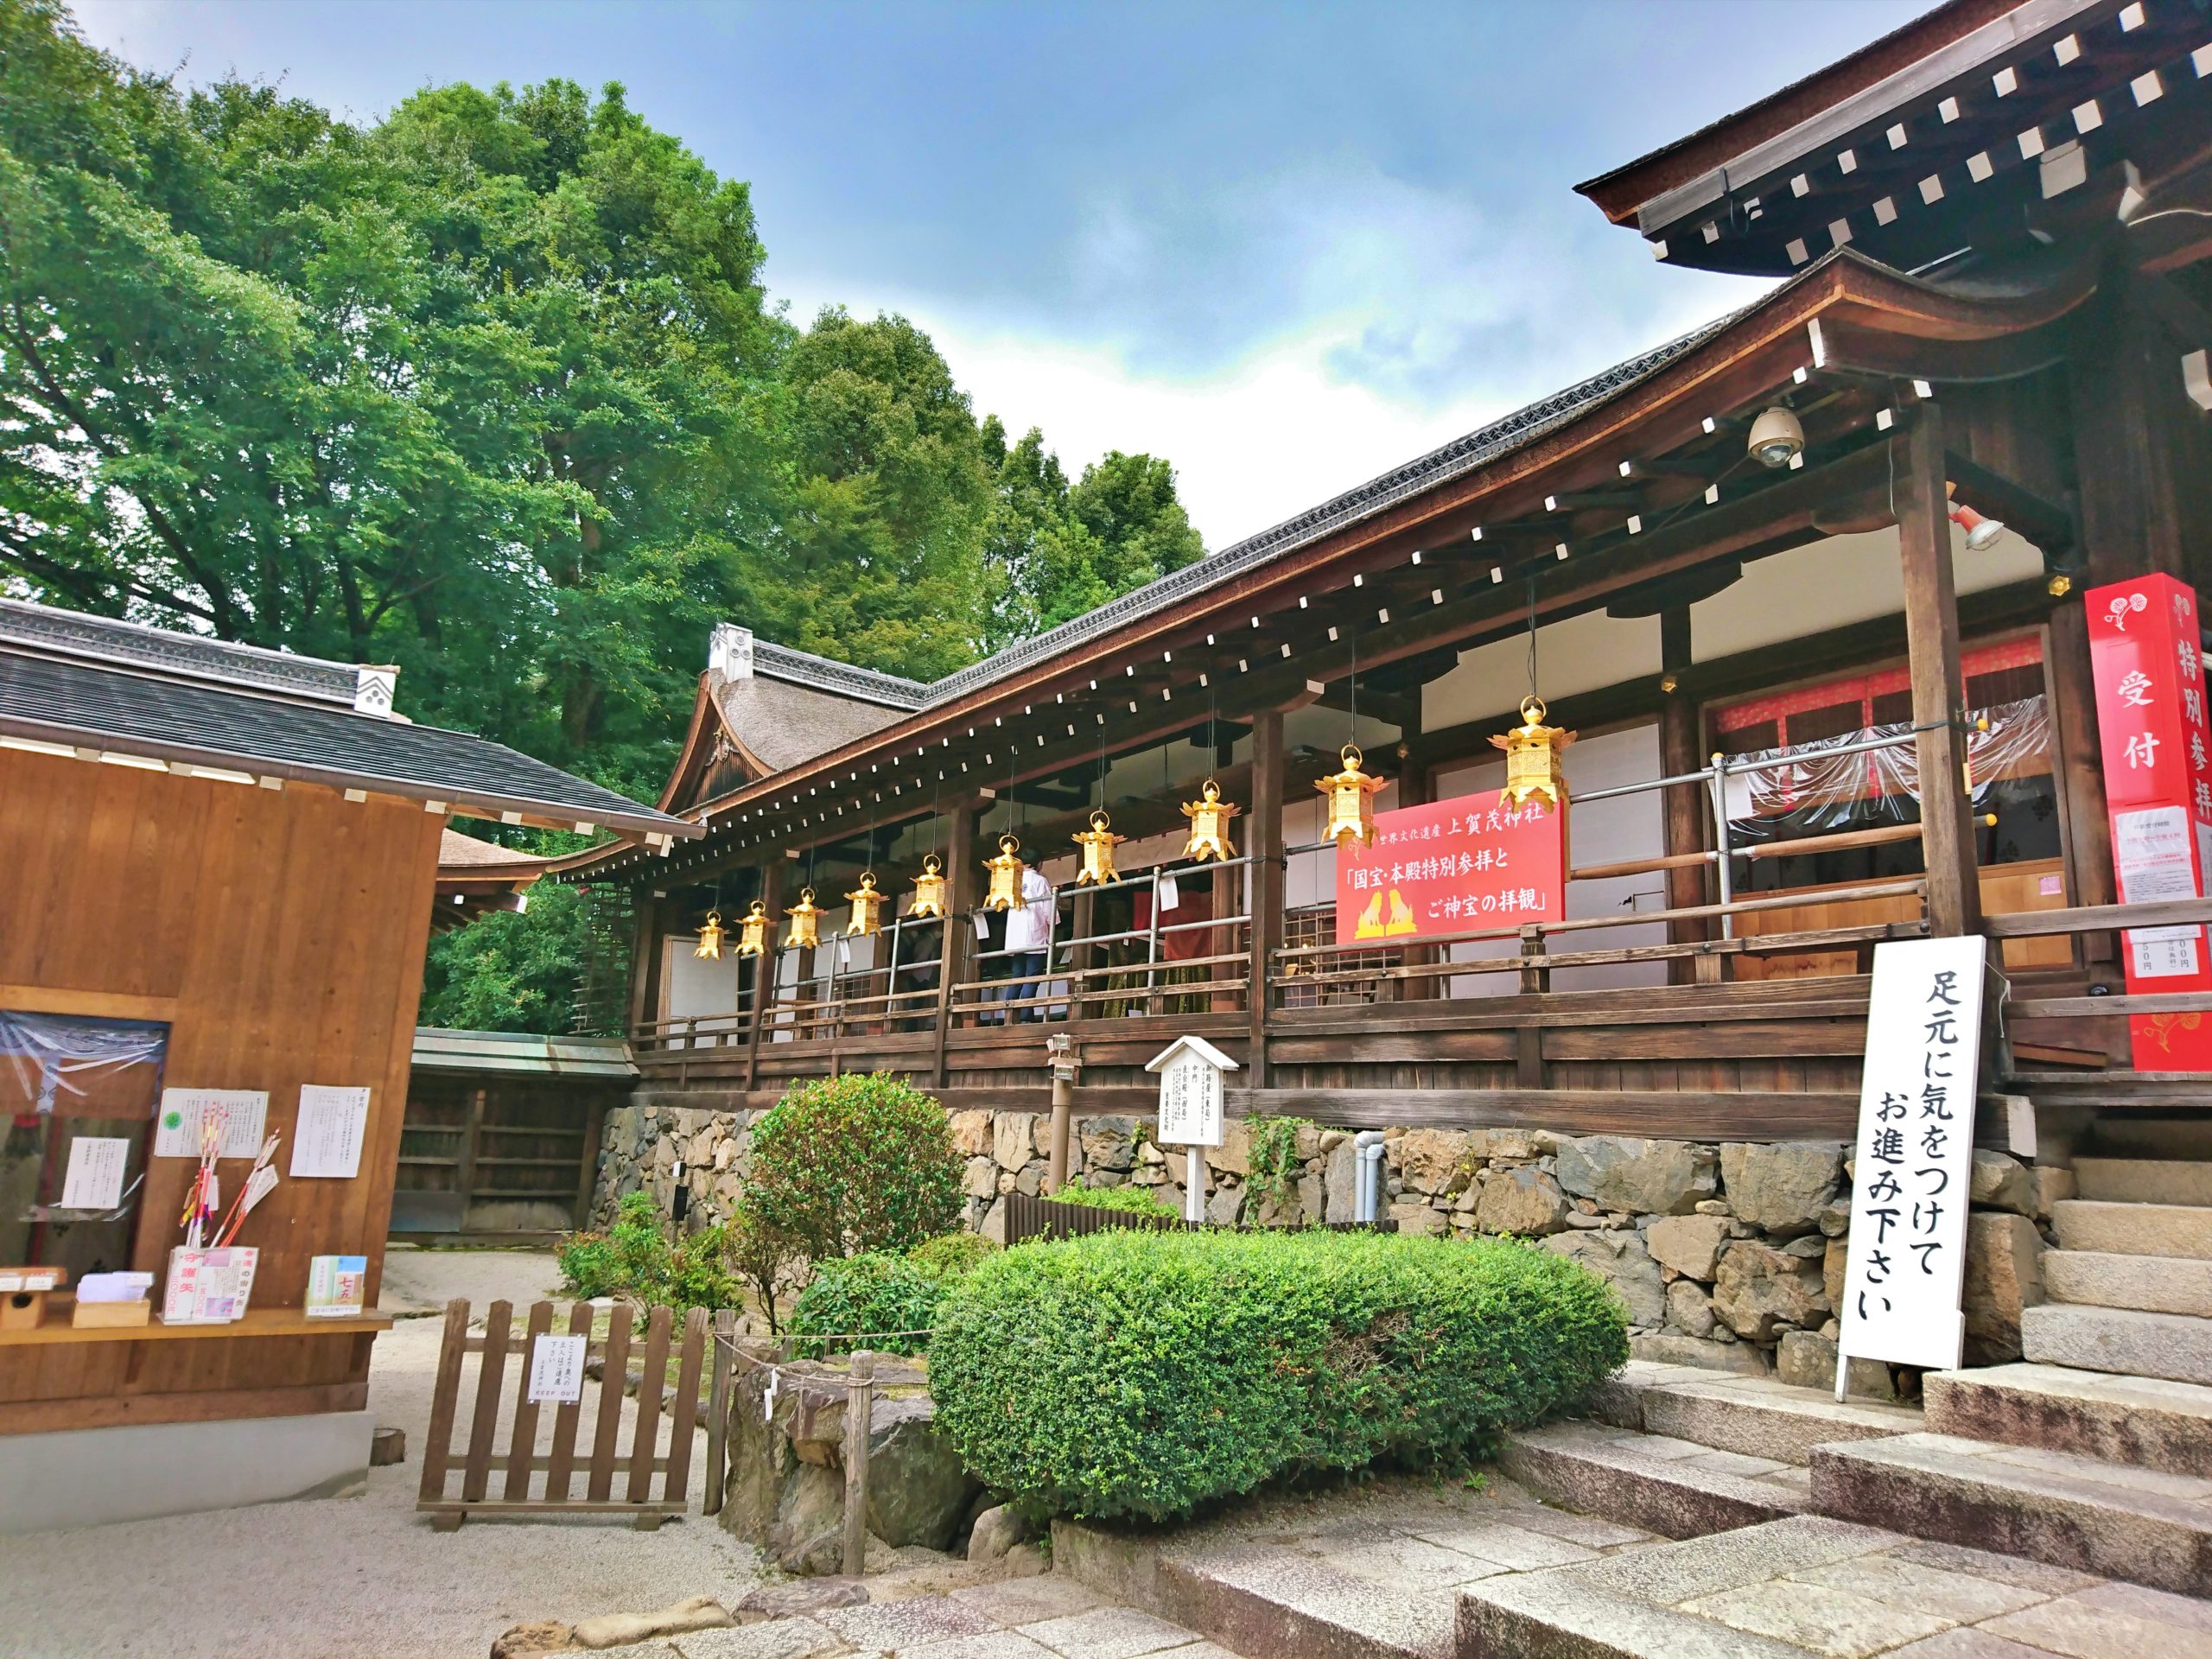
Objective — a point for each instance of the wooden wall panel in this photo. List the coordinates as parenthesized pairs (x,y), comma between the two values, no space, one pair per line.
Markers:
(283,933)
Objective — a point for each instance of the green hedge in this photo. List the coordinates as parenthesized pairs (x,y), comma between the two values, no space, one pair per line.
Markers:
(881,1295)
(1133,1201)
(1136,1374)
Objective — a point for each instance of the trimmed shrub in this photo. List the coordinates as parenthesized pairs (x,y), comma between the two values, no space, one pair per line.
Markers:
(951,1255)
(844,1166)
(1141,1374)
(1135,1200)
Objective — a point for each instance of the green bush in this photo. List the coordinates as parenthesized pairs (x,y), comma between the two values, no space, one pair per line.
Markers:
(636,1261)
(951,1255)
(1143,1374)
(886,1300)
(844,1166)
(1135,1200)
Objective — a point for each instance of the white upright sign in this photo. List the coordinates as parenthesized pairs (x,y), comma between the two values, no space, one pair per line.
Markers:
(557,1370)
(1907,1254)
(1191,1072)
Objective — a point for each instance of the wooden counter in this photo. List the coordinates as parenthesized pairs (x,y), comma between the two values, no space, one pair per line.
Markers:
(257,1322)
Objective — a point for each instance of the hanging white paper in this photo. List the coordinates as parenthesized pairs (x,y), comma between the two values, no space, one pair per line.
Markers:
(327,1140)
(557,1370)
(1916,1154)
(2151,856)
(176,1132)
(94,1178)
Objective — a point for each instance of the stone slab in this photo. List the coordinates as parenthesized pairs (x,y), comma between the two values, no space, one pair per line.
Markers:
(1109,1633)
(2134,1228)
(2067,1510)
(2151,1421)
(2143,1180)
(1644,1481)
(1760,1417)
(2118,1339)
(2155,1284)
(779,1638)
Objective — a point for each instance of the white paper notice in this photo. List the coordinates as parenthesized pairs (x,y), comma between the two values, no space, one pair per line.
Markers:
(2151,856)
(557,1370)
(94,1178)
(1908,1235)
(327,1140)
(176,1132)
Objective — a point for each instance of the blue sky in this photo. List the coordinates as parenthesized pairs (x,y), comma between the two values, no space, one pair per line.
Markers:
(1288,247)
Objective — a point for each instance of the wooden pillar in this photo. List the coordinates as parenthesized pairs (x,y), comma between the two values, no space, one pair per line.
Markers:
(1085,923)
(1221,941)
(1683,822)
(1931,624)
(964,897)
(764,967)
(645,958)
(2084,828)
(1263,885)
(1416,787)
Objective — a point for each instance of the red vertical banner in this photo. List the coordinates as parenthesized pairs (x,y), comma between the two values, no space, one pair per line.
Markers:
(2146,659)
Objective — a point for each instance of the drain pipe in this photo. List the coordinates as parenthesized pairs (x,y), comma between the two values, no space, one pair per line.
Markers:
(1367,1149)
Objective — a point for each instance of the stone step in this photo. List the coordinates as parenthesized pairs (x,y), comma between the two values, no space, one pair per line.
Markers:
(2153,1284)
(2120,1339)
(1675,1488)
(2056,1507)
(2134,1228)
(2143,1180)
(1809,1584)
(1757,1416)
(2149,1421)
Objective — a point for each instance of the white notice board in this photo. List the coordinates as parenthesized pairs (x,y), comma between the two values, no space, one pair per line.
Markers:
(1907,1252)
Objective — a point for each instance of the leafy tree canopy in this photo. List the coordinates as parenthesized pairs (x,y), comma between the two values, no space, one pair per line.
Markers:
(490,389)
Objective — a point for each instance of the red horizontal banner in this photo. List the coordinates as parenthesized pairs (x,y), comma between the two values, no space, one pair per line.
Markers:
(1451,867)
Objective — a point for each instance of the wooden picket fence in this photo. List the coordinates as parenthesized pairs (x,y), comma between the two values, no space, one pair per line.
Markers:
(577,1481)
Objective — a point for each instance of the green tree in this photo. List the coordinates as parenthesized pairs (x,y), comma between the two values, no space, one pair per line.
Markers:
(508,971)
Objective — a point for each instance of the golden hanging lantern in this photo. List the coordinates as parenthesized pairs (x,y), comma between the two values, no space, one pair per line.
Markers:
(929,888)
(867,907)
(752,931)
(1006,875)
(1098,844)
(1532,759)
(1352,795)
(710,938)
(1208,817)
(805,919)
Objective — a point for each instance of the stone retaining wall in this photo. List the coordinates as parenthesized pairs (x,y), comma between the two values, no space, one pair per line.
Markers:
(1727,1255)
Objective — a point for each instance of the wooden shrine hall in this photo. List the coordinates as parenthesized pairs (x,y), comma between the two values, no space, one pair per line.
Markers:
(219,872)
(1810,585)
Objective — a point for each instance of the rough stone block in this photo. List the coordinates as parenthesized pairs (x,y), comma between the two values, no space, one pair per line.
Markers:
(1690,1310)
(1782,1187)
(1760,1290)
(2004,1275)
(2002,1183)
(1637,1177)
(1433,1161)
(1805,1360)
(1524,1199)
(1690,1244)
(1620,1259)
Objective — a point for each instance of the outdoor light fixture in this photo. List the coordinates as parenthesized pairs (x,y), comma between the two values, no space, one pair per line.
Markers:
(1006,875)
(1209,816)
(710,938)
(867,907)
(929,888)
(1776,437)
(752,931)
(1350,795)
(806,921)
(1981,532)
(1097,843)
(1532,759)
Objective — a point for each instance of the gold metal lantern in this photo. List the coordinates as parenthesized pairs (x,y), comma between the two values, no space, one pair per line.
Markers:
(1006,875)
(1532,759)
(806,921)
(1350,795)
(867,907)
(929,888)
(752,931)
(1098,844)
(1209,816)
(710,938)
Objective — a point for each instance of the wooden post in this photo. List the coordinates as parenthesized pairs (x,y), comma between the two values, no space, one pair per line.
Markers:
(1082,956)
(1685,804)
(2077,770)
(961,898)
(588,1173)
(1263,889)
(860,1394)
(464,1175)
(1529,1037)
(764,970)
(646,961)
(1931,624)
(1416,787)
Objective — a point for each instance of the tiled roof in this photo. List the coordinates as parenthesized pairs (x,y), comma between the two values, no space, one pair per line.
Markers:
(84,704)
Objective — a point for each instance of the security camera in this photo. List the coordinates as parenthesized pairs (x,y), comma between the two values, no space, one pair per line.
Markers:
(1776,438)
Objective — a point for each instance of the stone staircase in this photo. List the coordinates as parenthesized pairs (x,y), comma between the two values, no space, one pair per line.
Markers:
(2131,1283)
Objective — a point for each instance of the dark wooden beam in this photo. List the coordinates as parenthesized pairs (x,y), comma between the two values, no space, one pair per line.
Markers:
(1684,807)
(1931,626)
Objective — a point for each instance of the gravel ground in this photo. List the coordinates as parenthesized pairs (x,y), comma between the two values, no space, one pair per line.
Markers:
(362,1576)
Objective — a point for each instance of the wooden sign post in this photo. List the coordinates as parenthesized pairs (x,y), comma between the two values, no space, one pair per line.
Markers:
(1190,1116)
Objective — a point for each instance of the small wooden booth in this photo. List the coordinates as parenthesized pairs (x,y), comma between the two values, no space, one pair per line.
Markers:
(219,865)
